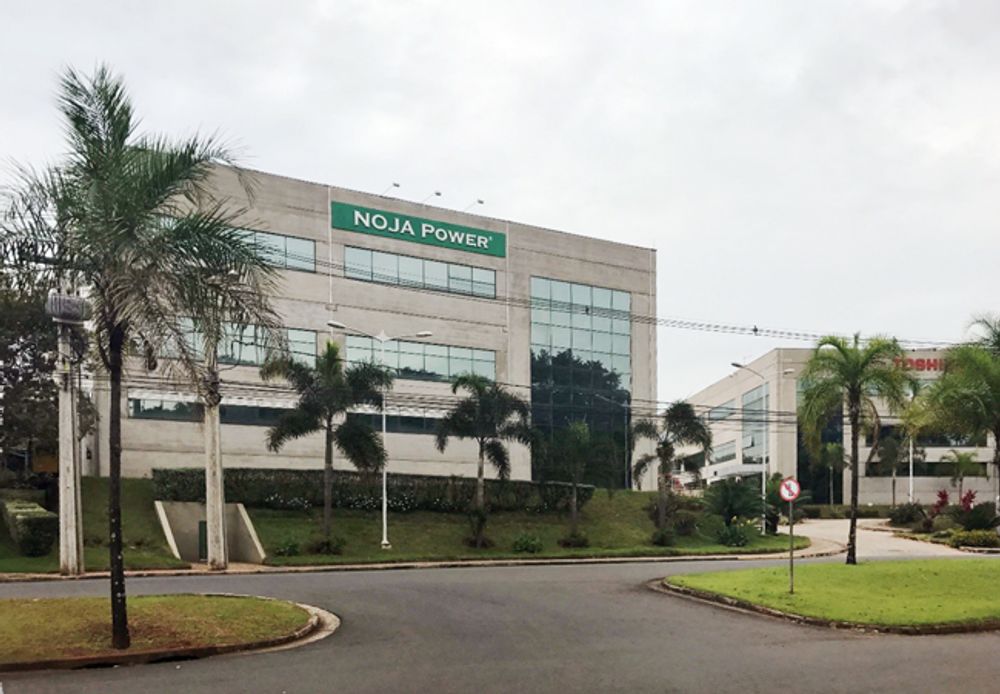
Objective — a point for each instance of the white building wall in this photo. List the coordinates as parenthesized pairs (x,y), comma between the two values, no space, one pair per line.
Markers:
(307,300)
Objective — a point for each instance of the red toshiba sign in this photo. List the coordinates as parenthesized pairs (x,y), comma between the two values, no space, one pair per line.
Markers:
(922,364)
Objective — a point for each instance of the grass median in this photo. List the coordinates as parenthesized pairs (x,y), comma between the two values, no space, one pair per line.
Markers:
(33,630)
(900,593)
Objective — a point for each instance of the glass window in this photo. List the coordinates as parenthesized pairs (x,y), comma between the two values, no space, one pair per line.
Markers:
(391,353)
(272,248)
(411,271)
(621,326)
(621,301)
(483,282)
(602,342)
(602,297)
(485,368)
(436,275)
(358,263)
(560,339)
(359,348)
(620,364)
(385,267)
(622,344)
(541,288)
(581,317)
(460,279)
(580,294)
(411,359)
(581,340)
(541,316)
(300,254)
(599,322)
(302,345)
(560,295)
(436,359)
(460,359)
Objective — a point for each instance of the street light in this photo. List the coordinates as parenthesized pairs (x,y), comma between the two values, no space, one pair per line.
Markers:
(763,456)
(382,339)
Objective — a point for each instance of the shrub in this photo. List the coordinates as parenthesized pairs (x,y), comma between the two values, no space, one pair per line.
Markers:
(941,504)
(685,522)
(287,549)
(303,489)
(906,514)
(943,523)
(528,543)
(980,517)
(733,499)
(733,536)
(975,538)
(709,525)
(663,537)
(31,527)
(924,525)
(322,545)
(576,540)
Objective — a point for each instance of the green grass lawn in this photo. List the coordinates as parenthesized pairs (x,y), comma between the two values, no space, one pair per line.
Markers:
(37,629)
(900,593)
(145,546)
(616,525)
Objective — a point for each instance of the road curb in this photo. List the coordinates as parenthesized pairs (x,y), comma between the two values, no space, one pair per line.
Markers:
(806,553)
(319,620)
(745,607)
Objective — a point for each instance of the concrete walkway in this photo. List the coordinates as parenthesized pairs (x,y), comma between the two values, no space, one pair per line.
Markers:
(873,543)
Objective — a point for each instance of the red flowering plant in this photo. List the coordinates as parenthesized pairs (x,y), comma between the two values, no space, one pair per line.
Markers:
(941,504)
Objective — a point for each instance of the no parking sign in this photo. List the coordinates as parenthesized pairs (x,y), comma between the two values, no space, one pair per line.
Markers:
(789,491)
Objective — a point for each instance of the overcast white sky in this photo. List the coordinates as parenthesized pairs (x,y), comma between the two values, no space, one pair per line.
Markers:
(820,166)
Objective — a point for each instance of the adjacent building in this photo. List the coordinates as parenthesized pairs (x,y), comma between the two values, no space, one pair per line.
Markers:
(752,414)
(549,314)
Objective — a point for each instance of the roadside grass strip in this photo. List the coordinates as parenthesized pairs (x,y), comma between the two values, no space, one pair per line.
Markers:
(52,629)
(916,593)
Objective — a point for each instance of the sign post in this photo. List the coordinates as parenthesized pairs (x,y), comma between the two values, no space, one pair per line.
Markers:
(789,491)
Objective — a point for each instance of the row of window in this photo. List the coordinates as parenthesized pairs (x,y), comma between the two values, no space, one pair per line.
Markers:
(724,452)
(266,416)
(397,424)
(410,271)
(723,411)
(422,360)
(192,412)
(248,345)
(288,252)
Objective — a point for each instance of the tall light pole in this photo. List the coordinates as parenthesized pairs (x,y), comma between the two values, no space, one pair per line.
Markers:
(763,451)
(382,338)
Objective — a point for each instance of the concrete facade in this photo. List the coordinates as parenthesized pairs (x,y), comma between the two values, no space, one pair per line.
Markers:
(308,299)
(780,369)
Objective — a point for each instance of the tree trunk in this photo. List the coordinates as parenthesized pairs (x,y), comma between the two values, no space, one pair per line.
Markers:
(328,482)
(831,485)
(215,493)
(480,497)
(852,533)
(661,500)
(894,485)
(996,469)
(119,612)
(573,518)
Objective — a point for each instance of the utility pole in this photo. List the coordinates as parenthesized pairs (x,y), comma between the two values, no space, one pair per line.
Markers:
(68,311)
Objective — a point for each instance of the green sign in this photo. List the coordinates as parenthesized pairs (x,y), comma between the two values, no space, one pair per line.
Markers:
(401,226)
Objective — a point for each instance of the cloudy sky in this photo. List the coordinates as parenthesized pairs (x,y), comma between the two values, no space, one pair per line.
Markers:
(826,166)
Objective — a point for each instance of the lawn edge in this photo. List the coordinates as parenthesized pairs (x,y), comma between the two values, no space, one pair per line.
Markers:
(258,569)
(318,618)
(662,585)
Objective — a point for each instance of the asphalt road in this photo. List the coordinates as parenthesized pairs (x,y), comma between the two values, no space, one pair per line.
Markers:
(589,628)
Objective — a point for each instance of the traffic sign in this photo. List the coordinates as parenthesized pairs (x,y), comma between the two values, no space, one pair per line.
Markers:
(790,489)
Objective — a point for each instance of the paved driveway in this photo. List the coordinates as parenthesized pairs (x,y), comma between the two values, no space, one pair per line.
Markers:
(533,629)
(874,543)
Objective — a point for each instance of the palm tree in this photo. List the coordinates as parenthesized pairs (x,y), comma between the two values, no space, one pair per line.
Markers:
(962,465)
(966,399)
(680,427)
(572,449)
(327,391)
(850,374)
(132,220)
(830,458)
(490,415)
(638,430)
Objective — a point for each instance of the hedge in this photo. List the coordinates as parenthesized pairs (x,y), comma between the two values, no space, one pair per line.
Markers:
(33,529)
(843,510)
(303,489)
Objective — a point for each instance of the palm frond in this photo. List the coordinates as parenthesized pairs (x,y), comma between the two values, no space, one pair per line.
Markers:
(293,424)
(360,444)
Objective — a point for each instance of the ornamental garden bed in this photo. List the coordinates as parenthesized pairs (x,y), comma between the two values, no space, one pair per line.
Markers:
(76,632)
(917,596)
